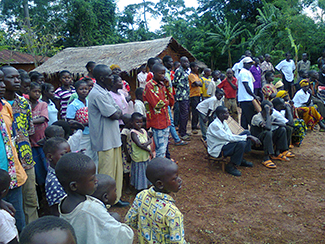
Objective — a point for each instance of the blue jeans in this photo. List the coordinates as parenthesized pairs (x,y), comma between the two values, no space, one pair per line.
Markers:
(172,127)
(161,140)
(15,197)
(203,126)
(40,166)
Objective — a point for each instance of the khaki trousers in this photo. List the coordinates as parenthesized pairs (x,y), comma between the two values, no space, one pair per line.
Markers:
(30,203)
(110,163)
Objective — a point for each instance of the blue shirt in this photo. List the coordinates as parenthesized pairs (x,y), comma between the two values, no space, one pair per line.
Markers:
(73,108)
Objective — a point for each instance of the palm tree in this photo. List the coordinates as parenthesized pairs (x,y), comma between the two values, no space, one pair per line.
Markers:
(226,36)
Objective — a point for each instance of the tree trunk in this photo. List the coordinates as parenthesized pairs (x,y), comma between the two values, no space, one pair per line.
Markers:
(144,15)
(26,13)
(229,59)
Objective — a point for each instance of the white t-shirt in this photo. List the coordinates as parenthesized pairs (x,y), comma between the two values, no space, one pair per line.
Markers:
(300,98)
(236,68)
(279,118)
(8,228)
(142,77)
(287,69)
(93,224)
(209,104)
(245,76)
(139,107)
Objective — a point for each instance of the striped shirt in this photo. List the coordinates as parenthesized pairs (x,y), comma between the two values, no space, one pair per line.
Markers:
(63,95)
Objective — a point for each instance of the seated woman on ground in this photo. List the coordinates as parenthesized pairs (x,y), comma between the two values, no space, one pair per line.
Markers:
(305,108)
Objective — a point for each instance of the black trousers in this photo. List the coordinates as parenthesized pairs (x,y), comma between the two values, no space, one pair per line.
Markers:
(194,101)
(277,137)
(248,111)
(236,150)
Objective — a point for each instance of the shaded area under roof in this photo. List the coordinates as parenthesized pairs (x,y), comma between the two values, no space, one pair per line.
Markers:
(128,56)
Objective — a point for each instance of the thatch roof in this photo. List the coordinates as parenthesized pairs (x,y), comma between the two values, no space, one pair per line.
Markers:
(127,55)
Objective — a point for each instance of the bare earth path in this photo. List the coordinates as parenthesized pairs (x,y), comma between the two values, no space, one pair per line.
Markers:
(284,205)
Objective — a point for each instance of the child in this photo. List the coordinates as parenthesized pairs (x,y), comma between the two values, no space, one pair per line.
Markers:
(54,149)
(126,150)
(40,120)
(106,192)
(8,230)
(64,92)
(24,84)
(229,86)
(153,212)
(87,215)
(90,84)
(51,131)
(207,83)
(206,110)
(138,103)
(80,106)
(119,97)
(50,228)
(48,97)
(140,152)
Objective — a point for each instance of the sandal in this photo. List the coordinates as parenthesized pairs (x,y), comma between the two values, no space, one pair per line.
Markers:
(181,143)
(288,154)
(321,130)
(269,164)
(291,146)
(280,157)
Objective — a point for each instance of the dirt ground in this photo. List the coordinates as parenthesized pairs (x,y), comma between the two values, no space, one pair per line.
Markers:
(283,205)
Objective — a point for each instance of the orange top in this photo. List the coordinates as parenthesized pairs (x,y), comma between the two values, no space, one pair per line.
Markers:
(194,91)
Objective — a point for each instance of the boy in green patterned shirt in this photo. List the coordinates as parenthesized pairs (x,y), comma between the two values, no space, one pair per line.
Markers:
(153,212)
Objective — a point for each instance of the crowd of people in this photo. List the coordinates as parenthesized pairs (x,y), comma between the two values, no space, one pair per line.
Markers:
(74,149)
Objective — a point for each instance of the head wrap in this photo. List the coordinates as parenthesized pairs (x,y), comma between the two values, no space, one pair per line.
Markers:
(114,66)
(282,94)
(278,84)
(304,82)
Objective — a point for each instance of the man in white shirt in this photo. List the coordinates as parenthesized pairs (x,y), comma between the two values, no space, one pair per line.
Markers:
(246,92)
(286,67)
(272,133)
(221,139)
(206,110)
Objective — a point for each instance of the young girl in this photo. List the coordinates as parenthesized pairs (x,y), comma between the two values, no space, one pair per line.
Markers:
(63,93)
(40,120)
(126,150)
(78,110)
(48,97)
(119,97)
(140,154)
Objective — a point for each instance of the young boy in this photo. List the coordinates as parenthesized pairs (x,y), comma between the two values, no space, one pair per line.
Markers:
(87,215)
(8,230)
(206,110)
(106,192)
(54,148)
(157,97)
(229,86)
(153,212)
(51,228)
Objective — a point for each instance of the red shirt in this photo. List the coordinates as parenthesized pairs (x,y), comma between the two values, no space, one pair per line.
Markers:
(229,91)
(149,76)
(156,99)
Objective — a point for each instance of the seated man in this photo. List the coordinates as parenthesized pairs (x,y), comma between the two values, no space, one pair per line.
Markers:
(283,113)
(271,132)
(221,139)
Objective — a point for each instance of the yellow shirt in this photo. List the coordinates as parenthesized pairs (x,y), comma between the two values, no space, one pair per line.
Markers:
(6,113)
(205,85)
(156,217)
(194,91)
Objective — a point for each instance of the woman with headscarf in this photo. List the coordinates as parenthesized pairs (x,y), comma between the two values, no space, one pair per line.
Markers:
(305,108)
(299,127)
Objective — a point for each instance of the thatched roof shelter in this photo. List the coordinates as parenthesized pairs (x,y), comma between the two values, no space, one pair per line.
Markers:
(128,56)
